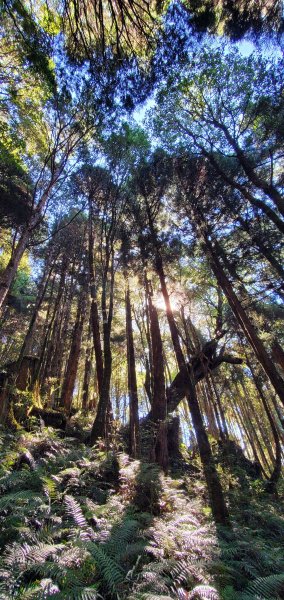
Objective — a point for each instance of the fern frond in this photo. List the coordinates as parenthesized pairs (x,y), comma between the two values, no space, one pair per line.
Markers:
(74,511)
(121,535)
(90,593)
(49,487)
(32,592)
(132,551)
(203,591)
(149,597)
(26,555)
(23,496)
(109,569)
(267,587)
(180,571)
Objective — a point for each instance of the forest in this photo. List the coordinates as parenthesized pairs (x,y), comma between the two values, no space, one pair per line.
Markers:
(141,299)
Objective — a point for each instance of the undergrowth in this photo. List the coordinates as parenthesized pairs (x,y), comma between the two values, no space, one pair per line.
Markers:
(83,523)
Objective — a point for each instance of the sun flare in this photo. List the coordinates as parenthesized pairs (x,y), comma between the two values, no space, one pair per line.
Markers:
(176,301)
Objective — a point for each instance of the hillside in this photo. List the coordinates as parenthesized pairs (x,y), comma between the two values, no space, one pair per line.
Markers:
(80,522)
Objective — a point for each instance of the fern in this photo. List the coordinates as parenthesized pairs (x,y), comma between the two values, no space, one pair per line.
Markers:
(110,571)
(132,551)
(25,554)
(203,591)
(65,536)
(74,511)
(267,587)
(23,496)
(121,535)
(140,596)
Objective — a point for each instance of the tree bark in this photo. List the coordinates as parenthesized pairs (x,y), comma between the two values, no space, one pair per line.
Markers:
(9,273)
(217,501)
(159,401)
(47,350)
(241,315)
(94,305)
(99,428)
(268,189)
(224,427)
(74,355)
(256,202)
(263,248)
(132,381)
(276,473)
(26,347)
(87,371)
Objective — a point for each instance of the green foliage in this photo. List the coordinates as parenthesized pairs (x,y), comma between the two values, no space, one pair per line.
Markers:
(14,186)
(266,587)
(30,40)
(147,488)
(142,539)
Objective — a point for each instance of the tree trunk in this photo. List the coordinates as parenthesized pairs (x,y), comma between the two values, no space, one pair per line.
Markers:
(276,473)
(242,317)
(94,305)
(159,401)
(258,181)
(52,327)
(99,428)
(214,423)
(251,426)
(278,354)
(224,428)
(60,346)
(9,273)
(256,202)
(26,347)
(132,381)
(87,371)
(256,238)
(217,501)
(74,355)
(244,424)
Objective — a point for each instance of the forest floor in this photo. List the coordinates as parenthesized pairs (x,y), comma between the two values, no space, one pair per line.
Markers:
(83,523)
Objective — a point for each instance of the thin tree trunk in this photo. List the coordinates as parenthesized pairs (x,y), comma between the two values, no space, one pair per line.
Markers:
(87,370)
(263,248)
(219,509)
(276,473)
(159,404)
(254,424)
(243,426)
(213,403)
(47,349)
(268,189)
(74,355)
(132,381)
(256,202)
(26,346)
(94,305)
(149,362)
(261,428)
(61,350)
(219,404)
(99,428)
(241,315)
(18,250)
(9,273)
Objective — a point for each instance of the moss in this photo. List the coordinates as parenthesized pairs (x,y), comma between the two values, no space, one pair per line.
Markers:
(11,422)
